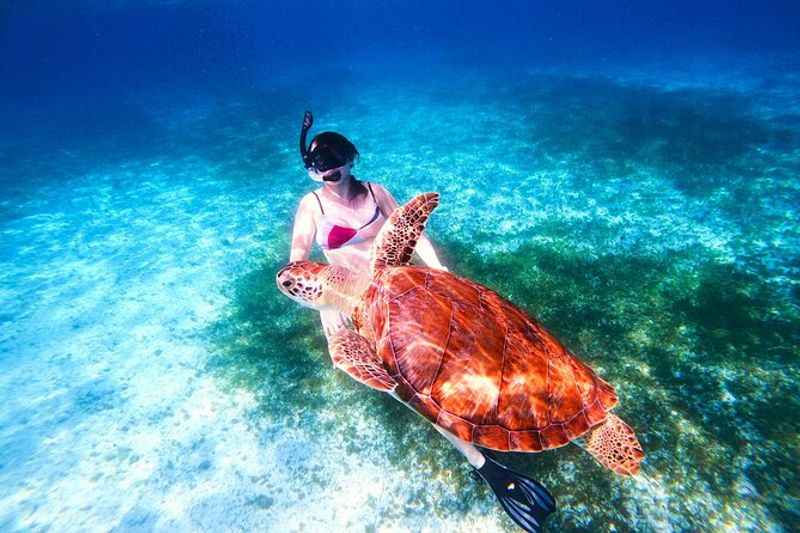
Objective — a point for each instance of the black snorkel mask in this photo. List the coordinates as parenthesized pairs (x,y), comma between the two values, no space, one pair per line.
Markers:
(322,159)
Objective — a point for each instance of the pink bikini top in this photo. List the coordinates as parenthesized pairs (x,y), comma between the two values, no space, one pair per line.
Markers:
(333,233)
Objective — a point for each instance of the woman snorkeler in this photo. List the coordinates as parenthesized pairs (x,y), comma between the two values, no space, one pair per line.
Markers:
(345,213)
(344,216)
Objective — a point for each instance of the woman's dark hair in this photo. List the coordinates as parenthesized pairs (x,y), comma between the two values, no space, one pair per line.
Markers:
(330,149)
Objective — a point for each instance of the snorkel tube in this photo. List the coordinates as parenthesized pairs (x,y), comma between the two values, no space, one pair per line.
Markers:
(308,121)
(324,162)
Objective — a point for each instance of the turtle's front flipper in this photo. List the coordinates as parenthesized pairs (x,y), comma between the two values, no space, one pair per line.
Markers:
(525,500)
(395,242)
(354,354)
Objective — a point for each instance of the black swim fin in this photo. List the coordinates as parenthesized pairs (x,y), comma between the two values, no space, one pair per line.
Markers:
(525,500)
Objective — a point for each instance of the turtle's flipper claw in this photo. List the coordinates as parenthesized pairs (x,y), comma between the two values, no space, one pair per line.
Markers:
(525,500)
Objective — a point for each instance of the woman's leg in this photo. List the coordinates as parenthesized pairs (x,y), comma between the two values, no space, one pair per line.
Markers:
(473,455)
(526,501)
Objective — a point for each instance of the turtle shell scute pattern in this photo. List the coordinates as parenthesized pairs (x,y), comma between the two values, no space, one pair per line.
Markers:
(478,366)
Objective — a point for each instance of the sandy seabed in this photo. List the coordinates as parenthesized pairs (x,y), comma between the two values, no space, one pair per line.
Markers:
(114,276)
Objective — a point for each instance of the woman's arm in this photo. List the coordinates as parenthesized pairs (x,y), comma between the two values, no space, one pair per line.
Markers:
(428,254)
(302,241)
(303,232)
(424,249)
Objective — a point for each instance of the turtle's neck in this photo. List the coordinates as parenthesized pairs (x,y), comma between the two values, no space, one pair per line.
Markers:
(343,288)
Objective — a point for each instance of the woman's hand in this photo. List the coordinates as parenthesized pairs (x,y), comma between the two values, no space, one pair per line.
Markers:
(333,321)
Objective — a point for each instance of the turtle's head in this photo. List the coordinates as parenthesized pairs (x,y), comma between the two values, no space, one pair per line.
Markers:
(303,282)
(319,286)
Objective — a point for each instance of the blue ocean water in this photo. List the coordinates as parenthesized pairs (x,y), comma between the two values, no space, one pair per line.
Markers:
(627,172)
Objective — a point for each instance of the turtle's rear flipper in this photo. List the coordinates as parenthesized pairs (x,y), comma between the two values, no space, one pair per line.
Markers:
(525,500)
(355,355)
(614,445)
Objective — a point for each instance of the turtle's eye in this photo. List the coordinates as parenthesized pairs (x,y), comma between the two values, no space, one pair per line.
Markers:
(287,283)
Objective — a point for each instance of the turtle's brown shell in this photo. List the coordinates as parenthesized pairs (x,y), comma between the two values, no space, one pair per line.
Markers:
(477,365)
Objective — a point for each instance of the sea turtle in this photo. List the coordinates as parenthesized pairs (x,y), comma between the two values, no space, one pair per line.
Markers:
(472,363)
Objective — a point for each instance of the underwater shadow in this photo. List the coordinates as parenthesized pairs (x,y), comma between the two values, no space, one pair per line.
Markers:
(652,326)
(274,348)
(668,332)
(698,137)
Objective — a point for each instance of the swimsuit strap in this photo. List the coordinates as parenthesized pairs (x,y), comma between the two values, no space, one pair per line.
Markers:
(318,201)
(369,186)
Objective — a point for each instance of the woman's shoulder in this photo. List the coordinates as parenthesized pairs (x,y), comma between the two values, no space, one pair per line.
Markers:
(374,184)
(382,194)
(310,197)
(309,202)
(376,188)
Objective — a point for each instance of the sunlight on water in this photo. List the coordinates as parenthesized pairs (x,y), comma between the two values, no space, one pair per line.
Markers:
(154,378)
